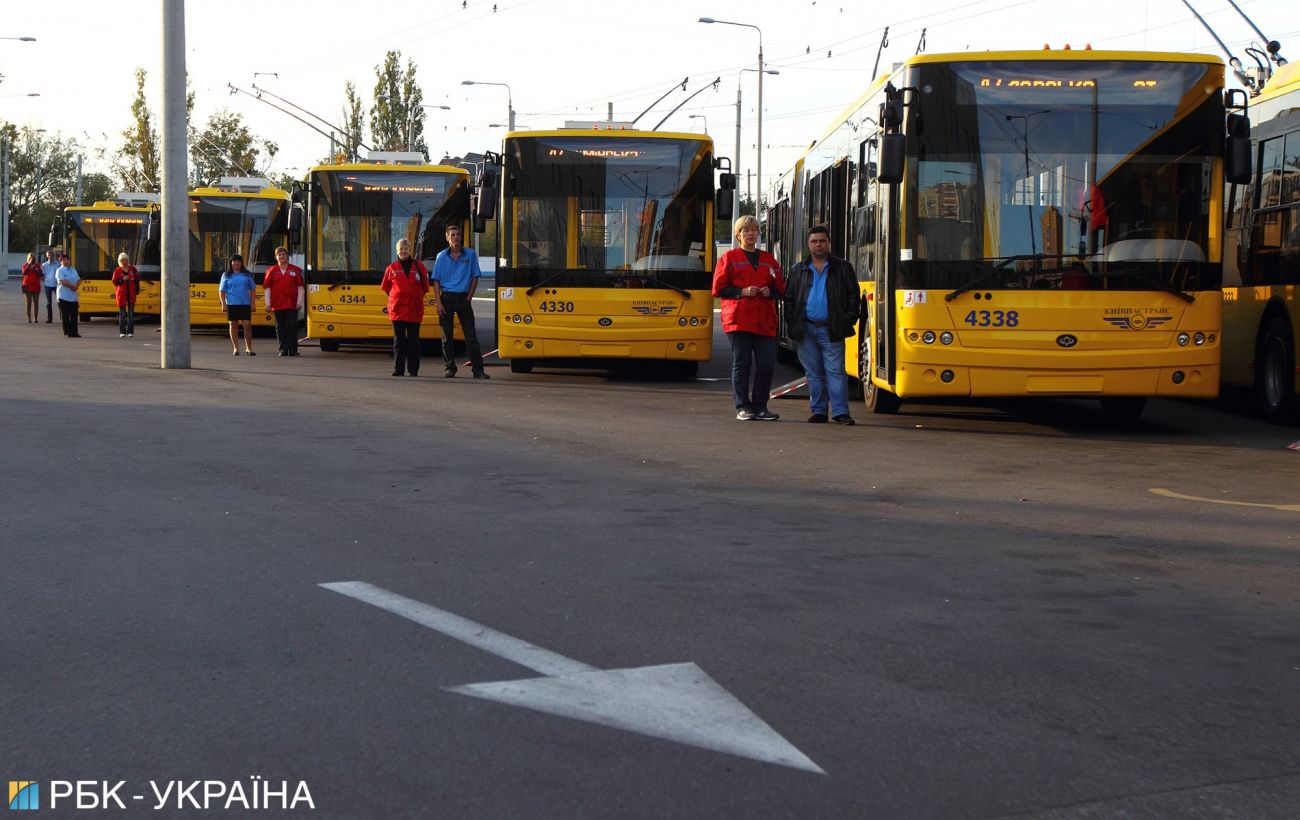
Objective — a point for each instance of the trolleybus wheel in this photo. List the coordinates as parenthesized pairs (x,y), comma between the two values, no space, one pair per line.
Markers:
(521,365)
(878,399)
(1274,385)
(1123,409)
(83,317)
(685,371)
(329,345)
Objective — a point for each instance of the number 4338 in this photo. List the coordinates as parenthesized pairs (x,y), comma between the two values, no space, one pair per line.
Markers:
(993,318)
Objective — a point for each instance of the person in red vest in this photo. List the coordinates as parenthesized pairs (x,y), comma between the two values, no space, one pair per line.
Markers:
(126,287)
(32,276)
(406,281)
(283,285)
(749,281)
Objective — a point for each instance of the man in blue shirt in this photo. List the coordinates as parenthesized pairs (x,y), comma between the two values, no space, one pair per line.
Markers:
(69,281)
(822,304)
(48,268)
(455,278)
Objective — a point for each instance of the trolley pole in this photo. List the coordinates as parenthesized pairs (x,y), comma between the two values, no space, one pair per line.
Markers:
(175,203)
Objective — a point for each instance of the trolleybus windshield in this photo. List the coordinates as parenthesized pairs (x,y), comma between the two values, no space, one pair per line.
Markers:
(221,226)
(606,212)
(360,215)
(1053,174)
(97,237)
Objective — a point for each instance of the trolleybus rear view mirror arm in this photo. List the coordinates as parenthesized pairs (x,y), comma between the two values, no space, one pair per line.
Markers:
(893,144)
(1236,149)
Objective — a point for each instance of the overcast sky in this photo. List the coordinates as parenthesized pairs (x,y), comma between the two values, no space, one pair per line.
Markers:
(563,59)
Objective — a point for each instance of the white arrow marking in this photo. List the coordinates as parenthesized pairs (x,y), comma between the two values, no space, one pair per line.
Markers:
(677,702)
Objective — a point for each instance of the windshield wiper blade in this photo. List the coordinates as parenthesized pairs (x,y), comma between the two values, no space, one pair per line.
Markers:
(548,280)
(987,272)
(661,283)
(1147,279)
(344,281)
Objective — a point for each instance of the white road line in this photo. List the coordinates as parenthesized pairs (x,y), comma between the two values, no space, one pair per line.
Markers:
(542,661)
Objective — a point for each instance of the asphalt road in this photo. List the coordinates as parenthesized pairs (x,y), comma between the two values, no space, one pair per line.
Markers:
(959,611)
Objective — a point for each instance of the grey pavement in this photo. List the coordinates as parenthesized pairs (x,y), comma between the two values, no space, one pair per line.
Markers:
(960,611)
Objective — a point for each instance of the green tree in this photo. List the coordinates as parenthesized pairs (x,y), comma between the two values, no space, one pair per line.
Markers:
(42,180)
(138,165)
(225,147)
(352,119)
(397,106)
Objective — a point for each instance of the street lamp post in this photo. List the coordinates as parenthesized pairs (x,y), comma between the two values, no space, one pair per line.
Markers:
(410,126)
(702,117)
(510,104)
(760,94)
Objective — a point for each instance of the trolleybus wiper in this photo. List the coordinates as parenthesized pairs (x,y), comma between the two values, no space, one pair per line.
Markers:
(548,280)
(1147,279)
(990,271)
(654,280)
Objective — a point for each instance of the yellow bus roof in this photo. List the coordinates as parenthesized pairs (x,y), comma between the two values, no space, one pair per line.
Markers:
(383,166)
(1285,79)
(265,193)
(610,132)
(107,205)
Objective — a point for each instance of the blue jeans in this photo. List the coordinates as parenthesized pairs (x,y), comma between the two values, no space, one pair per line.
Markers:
(823,362)
(751,353)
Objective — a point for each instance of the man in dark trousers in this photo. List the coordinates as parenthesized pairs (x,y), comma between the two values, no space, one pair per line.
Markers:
(822,304)
(455,278)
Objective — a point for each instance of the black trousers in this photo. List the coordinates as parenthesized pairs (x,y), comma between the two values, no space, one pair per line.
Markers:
(406,348)
(286,329)
(49,304)
(457,305)
(68,314)
(126,318)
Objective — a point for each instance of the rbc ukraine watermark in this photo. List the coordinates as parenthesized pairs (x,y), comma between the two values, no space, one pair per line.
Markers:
(255,793)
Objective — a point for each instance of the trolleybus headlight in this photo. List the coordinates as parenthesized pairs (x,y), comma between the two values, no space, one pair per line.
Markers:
(946,337)
(1183,339)
(528,319)
(1179,376)
(1199,339)
(695,321)
(947,376)
(682,321)
(928,337)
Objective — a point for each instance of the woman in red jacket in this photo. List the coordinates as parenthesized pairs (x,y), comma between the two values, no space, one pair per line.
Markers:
(406,281)
(749,282)
(32,287)
(126,287)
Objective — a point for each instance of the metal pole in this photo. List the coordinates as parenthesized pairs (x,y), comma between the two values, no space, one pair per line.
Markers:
(758,183)
(175,204)
(79,202)
(4,206)
(735,209)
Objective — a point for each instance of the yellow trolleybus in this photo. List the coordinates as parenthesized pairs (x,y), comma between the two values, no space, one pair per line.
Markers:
(94,235)
(243,215)
(356,214)
(1261,262)
(1039,223)
(606,247)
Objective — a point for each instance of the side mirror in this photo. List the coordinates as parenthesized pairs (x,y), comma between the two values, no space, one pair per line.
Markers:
(54,233)
(891,113)
(722,202)
(487,177)
(1236,151)
(485,206)
(480,224)
(726,182)
(295,218)
(893,148)
(153,231)
(297,196)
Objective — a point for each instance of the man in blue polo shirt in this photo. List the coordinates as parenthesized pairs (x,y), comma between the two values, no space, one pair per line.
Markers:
(49,268)
(455,278)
